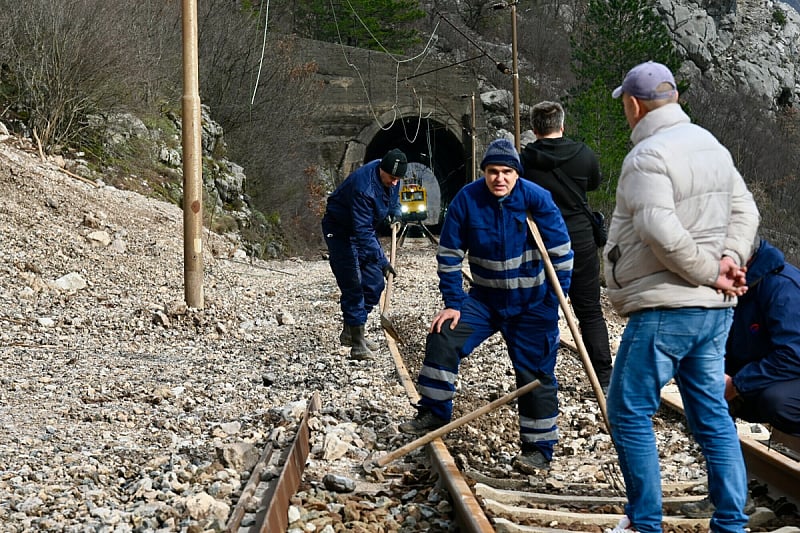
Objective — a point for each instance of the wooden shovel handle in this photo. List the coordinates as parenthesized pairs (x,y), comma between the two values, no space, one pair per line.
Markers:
(387,296)
(436,433)
(573,327)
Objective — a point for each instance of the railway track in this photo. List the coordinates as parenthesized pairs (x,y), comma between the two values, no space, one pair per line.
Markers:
(485,497)
(482,503)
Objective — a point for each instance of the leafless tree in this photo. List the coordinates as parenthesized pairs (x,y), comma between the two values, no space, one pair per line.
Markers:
(764,147)
(64,59)
(267,103)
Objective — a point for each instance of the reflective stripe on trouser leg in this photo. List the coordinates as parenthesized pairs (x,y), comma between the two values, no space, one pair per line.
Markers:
(532,339)
(443,354)
(540,429)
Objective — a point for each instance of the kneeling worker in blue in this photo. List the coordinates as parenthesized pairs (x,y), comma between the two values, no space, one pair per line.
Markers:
(487,222)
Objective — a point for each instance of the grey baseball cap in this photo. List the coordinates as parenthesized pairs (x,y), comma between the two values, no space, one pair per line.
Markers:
(642,81)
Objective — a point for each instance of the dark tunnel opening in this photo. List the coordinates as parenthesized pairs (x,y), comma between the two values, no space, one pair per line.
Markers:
(431,144)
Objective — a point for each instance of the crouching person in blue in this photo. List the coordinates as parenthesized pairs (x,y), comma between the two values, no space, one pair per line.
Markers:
(354,212)
(762,354)
(510,294)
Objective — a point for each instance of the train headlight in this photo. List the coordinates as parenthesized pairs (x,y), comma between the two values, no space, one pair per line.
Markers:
(422,208)
(404,209)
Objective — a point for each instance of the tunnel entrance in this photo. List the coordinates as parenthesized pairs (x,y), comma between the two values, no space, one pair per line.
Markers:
(437,152)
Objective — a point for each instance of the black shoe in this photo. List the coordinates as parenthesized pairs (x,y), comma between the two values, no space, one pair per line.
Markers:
(704,508)
(530,461)
(424,422)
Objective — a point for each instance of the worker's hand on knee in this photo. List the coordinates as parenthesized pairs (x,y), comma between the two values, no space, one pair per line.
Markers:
(443,316)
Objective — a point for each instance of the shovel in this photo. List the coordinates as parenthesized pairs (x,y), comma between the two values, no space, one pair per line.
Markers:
(386,322)
(573,327)
(371,463)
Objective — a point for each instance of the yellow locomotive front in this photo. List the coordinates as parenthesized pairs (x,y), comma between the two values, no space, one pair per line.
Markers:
(413,202)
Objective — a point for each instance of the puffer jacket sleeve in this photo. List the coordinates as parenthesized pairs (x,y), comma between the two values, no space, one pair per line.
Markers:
(743,223)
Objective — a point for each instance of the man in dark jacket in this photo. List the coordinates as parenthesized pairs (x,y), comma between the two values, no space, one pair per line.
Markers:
(580,172)
(486,223)
(762,354)
(354,212)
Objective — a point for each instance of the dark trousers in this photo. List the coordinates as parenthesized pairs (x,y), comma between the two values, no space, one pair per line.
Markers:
(361,283)
(532,341)
(584,293)
(777,405)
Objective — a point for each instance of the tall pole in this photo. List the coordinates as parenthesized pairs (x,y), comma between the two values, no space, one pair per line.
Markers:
(515,73)
(192,168)
(474,139)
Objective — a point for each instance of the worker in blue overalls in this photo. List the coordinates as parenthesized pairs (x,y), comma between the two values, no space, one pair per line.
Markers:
(354,212)
(487,224)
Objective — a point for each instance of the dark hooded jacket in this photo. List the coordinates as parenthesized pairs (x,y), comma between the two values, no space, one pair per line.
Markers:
(764,343)
(579,163)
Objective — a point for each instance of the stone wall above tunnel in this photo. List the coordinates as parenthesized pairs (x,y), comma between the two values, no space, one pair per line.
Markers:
(372,102)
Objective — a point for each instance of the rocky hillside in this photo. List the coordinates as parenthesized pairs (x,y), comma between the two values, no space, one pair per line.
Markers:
(746,44)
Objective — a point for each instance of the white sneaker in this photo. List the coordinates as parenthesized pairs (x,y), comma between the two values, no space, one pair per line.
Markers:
(624,526)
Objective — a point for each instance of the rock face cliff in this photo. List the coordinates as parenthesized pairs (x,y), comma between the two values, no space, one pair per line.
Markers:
(737,47)
(750,45)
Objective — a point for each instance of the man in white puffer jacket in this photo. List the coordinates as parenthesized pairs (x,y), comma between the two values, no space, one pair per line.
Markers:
(683,224)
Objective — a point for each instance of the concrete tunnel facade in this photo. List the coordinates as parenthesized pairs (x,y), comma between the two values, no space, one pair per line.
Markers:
(436,150)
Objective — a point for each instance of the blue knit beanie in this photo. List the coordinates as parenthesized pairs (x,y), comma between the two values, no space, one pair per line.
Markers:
(502,152)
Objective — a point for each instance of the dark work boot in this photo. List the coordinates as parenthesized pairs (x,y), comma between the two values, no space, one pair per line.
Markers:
(346,339)
(360,351)
(531,460)
(424,422)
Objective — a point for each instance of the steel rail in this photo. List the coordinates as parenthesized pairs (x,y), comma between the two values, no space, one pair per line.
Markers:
(470,516)
(780,472)
(273,514)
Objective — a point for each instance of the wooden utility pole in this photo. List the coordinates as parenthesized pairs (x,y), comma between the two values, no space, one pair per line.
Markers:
(472,134)
(515,73)
(192,166)
(474,139)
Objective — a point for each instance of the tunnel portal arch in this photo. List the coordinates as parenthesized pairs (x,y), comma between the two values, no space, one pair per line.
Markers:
(435,142)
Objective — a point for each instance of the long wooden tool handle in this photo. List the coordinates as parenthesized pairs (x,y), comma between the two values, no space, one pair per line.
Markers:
(587,363)
(394,243)
(387,295)
(436,433)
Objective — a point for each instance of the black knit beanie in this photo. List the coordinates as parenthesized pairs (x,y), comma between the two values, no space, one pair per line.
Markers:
(395,163)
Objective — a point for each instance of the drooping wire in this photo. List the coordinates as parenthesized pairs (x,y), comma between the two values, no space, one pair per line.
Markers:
(263,50)
(398,62)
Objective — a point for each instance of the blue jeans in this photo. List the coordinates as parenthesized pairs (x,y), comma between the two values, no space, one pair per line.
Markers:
(689,345)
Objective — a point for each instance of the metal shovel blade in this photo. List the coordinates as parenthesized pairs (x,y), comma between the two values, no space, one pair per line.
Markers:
(386,324)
